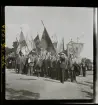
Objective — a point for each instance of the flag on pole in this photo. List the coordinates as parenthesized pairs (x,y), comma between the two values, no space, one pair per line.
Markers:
(22,41)
(75,49)
(61,46)
(46,42)
(55,45)
(22,44)
(37,44)
(54,41)
(63,43)
(33,44)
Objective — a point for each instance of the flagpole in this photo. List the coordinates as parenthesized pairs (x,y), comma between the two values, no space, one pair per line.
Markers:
(27,45)
(63,43)
(46,31)
(43,23)
(32,42)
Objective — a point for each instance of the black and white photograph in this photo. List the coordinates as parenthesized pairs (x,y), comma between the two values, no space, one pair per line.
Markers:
(48,53)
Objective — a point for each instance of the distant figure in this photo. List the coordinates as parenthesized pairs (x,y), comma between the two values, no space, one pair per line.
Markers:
(17,65)
(21,64)
(84,69)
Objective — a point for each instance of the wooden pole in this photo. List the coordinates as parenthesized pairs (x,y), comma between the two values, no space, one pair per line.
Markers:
(63,43)
(43,23)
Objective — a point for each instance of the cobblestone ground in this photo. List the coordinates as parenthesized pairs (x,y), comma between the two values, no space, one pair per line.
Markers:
(20,87)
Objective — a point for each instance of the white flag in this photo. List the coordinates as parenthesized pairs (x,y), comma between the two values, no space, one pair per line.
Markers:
(75,49)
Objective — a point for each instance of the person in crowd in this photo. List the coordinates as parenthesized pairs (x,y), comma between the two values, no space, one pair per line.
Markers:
(21,63)
(58,68)
(43,66)
(38,66)
(66,69)
(46,65)
(31,64)
(73,72)
(53,67)
(26,65)
(84,69)
(62,68)
(17,65)
(49,66)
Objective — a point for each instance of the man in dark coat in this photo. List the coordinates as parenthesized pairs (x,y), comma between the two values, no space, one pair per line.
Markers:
(58,68)
(43,67)
(66,70)
(77,69)
(21,64)
(62,68)
(73,73)
(49,66)
(26,65)
(53,67)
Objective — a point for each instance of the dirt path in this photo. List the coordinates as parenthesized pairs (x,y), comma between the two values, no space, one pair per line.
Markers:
(30,87)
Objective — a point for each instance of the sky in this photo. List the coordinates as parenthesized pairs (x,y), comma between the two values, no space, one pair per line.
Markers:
(67,22)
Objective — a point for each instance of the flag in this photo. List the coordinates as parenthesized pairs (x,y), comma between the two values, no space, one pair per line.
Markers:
(46,42)
(54,41)
(37,43)
(22,41)
(61,46)
(55,45)
(22,44)
(75,49)
(33,44)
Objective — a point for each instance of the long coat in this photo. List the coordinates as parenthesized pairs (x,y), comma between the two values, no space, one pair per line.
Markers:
(53,67)
(58,69)
(63,67)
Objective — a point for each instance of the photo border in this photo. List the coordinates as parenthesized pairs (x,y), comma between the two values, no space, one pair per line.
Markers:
(44,101)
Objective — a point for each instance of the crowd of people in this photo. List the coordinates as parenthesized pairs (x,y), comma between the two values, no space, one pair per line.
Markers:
(57,67)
